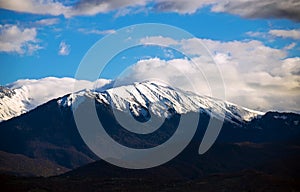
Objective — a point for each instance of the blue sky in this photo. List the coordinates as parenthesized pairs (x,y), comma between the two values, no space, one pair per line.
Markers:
(49,38)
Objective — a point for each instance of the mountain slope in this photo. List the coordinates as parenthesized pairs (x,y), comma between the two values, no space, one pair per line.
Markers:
(21,165)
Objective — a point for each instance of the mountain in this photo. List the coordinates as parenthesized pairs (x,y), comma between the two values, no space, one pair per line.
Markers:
(49,132)
(24,95)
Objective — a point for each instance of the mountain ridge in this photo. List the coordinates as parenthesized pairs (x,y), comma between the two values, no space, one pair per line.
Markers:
(157,98)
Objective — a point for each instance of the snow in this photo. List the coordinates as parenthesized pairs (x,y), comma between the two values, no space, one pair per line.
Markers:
(280,117)
(158,98)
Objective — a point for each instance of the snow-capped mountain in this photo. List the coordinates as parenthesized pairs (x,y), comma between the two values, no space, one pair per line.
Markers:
(140,98)
(24,95)
(49,132)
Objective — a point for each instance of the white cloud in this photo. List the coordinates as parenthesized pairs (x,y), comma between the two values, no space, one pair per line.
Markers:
(16,40)
(96,31)
(247,55)
(47,22)
(255,75)
(257,34)
(64,48)
(85,7)
(46,89)
(158,40)
(180,6)
(36,7)
(41,91)
(290,46)
(176,72)
(293,34)
(93,7)
(289,9)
